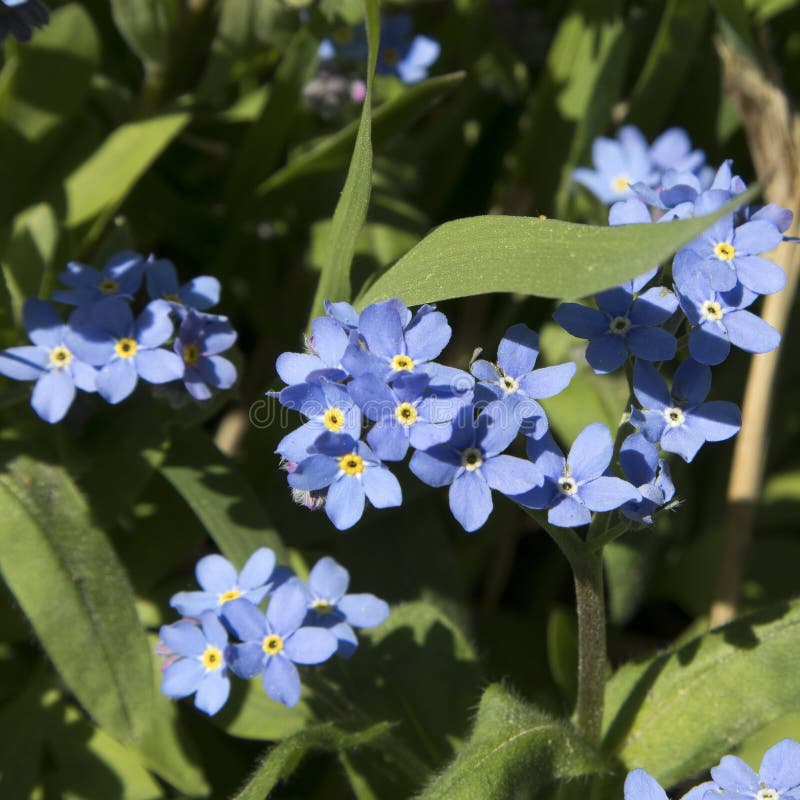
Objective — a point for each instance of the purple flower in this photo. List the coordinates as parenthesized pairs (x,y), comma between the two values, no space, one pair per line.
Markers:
(649,473)
(330,607)
(121,277)
(352,473)
(719,319)
(202,669)
(274,642)
(577,485)
(161,280)
(679,420)
(19,17)
(778,778)
(514,380)
(50,362)
(724,255)
(327,406)
(471,464)
(220,583)
(201,338)
(127,350)
(395,342)
(623,324)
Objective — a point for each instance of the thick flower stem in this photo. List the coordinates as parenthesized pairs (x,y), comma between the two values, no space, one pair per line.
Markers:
(588,571)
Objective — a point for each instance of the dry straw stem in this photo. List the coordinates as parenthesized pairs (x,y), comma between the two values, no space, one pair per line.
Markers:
(773,135)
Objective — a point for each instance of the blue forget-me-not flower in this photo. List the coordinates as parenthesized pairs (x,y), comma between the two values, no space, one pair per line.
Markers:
(778,777)
(200,340)
(649,473)
(161,279)
(121,277)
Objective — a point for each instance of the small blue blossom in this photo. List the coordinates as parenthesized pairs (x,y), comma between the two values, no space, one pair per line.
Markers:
(344,314)
(577,485)
(20,17)
(514,380)
(201,668)
(329,606)
(121,277)
(649,473)
(623,324)
(639,785)
(778,777)
(274,642)
(220,583)
(352,473)
(200,340)
(126,350)
(679,420)
(724,255)
(404,414)
(161,279)
(327,406)
(397,343)
(719,320)
(672,150)
(50,362)
(471,463)
(327,347)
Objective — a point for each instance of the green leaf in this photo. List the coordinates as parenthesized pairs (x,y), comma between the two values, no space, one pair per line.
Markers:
(220,497)
(513,747)
(146,26)
(283,759)
(104,180)
(66,577)
(562,651)
(679,712)
(541,257)
(389,120)
(351,210)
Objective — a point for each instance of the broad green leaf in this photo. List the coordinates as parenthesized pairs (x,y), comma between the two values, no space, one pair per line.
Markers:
(388,120)
(104,180)
(683,23)
(562,651)
(351,210)
(513,747)
(146,26)
(681,711)
(284,758)
(541,257)
(67,579)
(220,497)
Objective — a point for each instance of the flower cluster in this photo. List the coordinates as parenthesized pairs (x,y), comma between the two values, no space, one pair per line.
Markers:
(401,54)
(103,347)
(778,779)
(377,372)
(20,17)
(304,623)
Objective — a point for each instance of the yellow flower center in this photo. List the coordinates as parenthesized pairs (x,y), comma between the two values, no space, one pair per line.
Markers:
(334,419)
(272,645)
(191,353)
(402,364)
(724,251)
(109,286)
(126,348)
(471,459)
(212,658)
(60,357)
(621,183)
(406,414)
(226,597)
(712,310)
(322,607)
(351,464)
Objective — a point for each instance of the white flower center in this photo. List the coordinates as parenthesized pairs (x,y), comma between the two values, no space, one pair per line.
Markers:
(674,417)
(767,794)
(567,485)
(711,310)
(508,384)
(471,459)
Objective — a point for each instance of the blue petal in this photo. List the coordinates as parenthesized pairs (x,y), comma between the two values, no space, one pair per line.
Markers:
(43,323)
(328,340)
(683,441)
(607,353)
(84,376)
(381,326)
(117,380)
(345,502)
(154,325)
(296,446)
(217,371)
(692,382)
(328,580)
(496,428)
(213,692)
(547,455)
(381,487)
(470,500)
(310,646)
(750,333)
(158,366)
(715,421)
(246,660)
(183,638)
(427,336)
(649,387)
(201,292)
(650,424)
(53,395)
(363,610)
(215,574)
(760,275)
(245,620)
(287,607)
(161,278)
(24,363)
(709,344)
(653,307)
(257,569)
(568,512)
(756,236)
(296,367)
(639,785)
(616,301)
(652,344)
(484,371)
(780,767)
(629,212)
(437,466)
(591,452)
(605,494)
(581,321)
(213,630)
(314,472)
(281,681)
(182,678)
(193,604)
(734,775)
(518,350)
(639,459)
(511,475)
